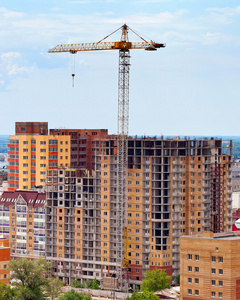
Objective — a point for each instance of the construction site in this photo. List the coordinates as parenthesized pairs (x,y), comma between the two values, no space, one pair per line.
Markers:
(172,188)
(126,214)
(116,205)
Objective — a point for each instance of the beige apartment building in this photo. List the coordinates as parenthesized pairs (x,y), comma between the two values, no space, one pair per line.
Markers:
(210,266)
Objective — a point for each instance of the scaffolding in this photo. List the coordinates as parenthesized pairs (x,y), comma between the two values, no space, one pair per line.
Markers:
(217,198)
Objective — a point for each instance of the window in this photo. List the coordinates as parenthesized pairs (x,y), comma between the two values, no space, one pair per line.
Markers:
(25,142)
(220,271)
(196,257)
(196,281)
(189,269)
(213,271)
(197,269)
(213,282)
(190,256)
(220,283)
(189,292)
(213,294)
(220,259)
(196,292)
(213,258)
(220,294)
(42,142)
(189,280)
(42,150)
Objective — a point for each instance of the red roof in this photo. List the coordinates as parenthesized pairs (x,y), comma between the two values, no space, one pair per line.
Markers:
(32,198)
(3,236)
(234,228)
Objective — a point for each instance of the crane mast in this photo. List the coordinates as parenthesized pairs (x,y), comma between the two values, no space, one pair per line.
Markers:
(122,146)
(122,137)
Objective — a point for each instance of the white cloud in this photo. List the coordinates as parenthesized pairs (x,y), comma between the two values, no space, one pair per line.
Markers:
(148,1)
(10,14)
(12,64)
(228,11)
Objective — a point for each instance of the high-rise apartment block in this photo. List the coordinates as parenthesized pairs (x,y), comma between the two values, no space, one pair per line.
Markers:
(22,218)
(173,187)
(31,151)
(210,265)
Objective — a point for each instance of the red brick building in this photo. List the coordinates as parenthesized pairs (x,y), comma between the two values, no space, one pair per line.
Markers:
(82,145)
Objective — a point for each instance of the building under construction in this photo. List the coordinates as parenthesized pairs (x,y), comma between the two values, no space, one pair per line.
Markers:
(173,187)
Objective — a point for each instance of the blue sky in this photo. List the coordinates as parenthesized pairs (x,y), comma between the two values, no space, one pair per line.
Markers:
(191,87)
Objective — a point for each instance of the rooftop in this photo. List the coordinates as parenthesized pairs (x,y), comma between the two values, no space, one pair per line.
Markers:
(227,236)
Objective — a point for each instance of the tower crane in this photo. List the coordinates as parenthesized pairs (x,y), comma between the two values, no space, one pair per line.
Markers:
(124,47)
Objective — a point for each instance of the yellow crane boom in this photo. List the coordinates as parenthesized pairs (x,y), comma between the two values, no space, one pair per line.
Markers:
(105,46)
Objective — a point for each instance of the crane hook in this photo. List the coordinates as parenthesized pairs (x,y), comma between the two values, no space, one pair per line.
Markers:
(73,66)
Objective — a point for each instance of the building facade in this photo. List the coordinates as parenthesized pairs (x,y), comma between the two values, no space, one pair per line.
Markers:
(82,145)
(210,265)
(4,258)
(22,215)
(173,187)
(31,151)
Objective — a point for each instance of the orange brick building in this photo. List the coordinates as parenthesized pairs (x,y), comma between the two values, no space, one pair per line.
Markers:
(210,266)
(82,145)
(31,152)
(4,258)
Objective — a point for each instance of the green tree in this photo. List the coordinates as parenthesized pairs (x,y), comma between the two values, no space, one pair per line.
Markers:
(6,292)
(73,295)
(77,284)
(155,280)
(146,295)
(95,284)
(53,288)
(28,278)
(177,279)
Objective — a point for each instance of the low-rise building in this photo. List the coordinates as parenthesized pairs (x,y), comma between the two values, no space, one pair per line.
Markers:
(4,258)
(210,266)
(22,219)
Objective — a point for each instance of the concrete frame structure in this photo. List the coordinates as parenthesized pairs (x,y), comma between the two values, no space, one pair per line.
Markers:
(210,265)
(173,187)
